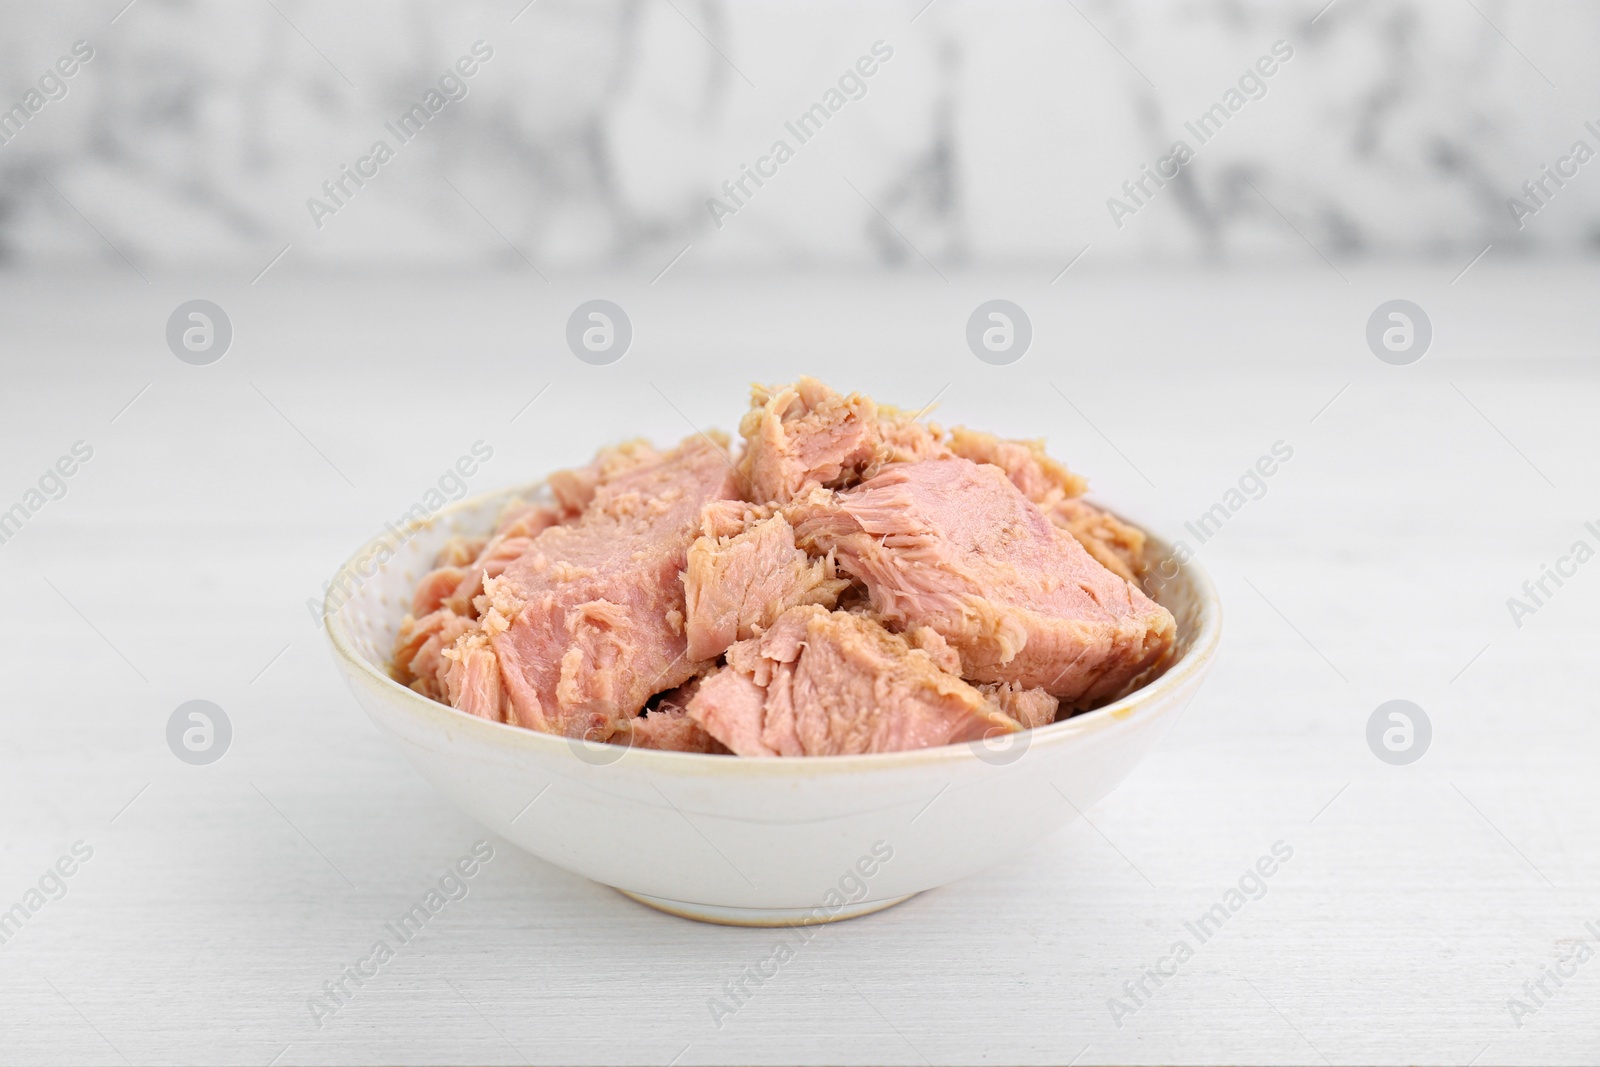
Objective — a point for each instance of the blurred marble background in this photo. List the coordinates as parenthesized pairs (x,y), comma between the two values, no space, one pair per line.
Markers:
(596,133)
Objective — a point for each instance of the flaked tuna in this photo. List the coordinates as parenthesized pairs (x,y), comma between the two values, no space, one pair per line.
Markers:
(574,489)
(472,678)
(497,555)
(459,551)
(902,438)
(739,583)
(956,546)
(419,650)
(443,608)
(857,582)
(435,588)
(803,435)
(599,623)
(1030,707)
(666,725)
(1042,480)
(828,683)
(1115,545)
(930,641)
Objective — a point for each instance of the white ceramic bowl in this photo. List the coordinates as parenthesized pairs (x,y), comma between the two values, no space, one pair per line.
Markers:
(749,841)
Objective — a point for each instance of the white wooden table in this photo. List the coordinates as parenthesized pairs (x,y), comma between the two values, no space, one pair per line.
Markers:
(219,898)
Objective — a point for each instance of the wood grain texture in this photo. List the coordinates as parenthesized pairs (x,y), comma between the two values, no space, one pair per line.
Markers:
(1418,899)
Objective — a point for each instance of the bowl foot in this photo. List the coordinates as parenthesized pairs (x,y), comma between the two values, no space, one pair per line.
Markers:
(712,913)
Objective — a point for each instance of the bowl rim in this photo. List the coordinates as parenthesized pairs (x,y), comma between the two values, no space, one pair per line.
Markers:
(1191,666)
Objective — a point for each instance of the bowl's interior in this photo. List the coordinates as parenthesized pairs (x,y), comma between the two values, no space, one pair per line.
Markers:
(371,594)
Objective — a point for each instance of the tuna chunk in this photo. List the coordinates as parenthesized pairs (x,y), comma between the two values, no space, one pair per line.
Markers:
(1030,707)
(449,567)
(736,585)
(444,609)
(497,555)
(955,546)
(435,588)
(1115,545)
(418,656)
(732,708)
(828,683)
(596,606)
(1041,479)
(727,518)
(929,640)
(574,489)
(670,730)
(522,519)
(804,434)
(668,726)
(903,439)
(459,551)
(464,563)
(472,678)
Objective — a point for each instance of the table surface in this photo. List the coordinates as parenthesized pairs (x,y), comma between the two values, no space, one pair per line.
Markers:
(1377,565)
